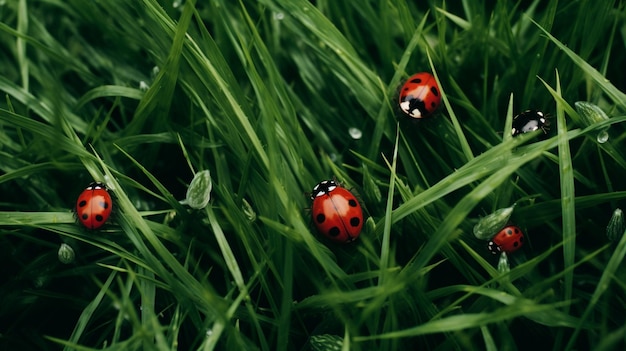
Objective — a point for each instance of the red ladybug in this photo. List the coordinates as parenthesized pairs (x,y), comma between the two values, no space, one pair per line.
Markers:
(509,239)
(94,206)
(336,213)
(420,95)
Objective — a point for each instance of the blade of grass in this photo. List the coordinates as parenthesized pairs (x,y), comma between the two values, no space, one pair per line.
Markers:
(467,150)
(22,27)
(156,104)
(89,311)
(608,274)
(568,204)
(108,91)
(616,95)
(466,321)
(233,267)
(492,160)
(384,250)
(383,113)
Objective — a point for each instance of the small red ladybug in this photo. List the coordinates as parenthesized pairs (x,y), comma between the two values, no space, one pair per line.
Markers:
(509,239)
(336,213)
(94,206)
(529,121)
(420,96)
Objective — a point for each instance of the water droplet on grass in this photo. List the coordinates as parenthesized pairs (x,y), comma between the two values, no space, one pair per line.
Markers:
(603,137)
(355,133)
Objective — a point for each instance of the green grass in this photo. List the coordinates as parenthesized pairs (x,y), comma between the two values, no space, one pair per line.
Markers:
(144,94)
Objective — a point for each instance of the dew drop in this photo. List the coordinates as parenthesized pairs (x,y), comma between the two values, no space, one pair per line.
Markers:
(177,3)
(603,137)
(143,86)
(278,16)
(355,133)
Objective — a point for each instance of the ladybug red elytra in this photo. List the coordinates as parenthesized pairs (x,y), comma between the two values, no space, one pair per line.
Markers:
(509,239)
(420,96)
(336,212)
(94,205)
(530,121)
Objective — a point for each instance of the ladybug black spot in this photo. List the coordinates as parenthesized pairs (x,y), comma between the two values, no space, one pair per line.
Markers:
(434,91)
(355,221)
(82,203)
(516,244)
(320,218)
(352,203)
(85,216)
(334,231)
(99,218)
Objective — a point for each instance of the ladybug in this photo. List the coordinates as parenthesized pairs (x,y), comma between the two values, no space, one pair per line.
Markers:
(336,212)
(529,121)
(509,239)
(420,96)
(94,206)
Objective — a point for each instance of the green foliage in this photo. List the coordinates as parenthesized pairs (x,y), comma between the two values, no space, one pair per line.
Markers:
(266,98)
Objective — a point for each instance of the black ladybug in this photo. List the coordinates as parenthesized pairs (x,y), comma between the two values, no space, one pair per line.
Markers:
(530,121)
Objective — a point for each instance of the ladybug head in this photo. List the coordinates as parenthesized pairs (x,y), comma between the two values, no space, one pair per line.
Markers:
(323,187)
(494,248)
